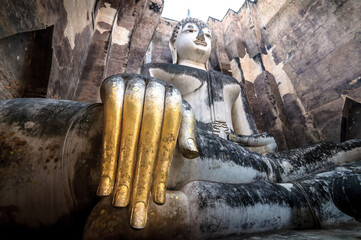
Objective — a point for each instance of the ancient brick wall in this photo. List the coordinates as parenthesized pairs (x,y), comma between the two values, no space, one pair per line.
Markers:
(316,45)
(120,42)
(58,54)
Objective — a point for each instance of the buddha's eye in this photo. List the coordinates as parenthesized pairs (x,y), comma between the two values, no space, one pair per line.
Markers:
(208,35)
(191,30)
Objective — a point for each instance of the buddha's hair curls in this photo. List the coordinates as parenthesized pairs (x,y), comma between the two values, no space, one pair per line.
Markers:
(184,22)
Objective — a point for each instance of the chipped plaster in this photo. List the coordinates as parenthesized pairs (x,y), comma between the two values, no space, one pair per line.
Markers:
(121,35)
(106,15)
(284,82)
(251,69)
(77,19)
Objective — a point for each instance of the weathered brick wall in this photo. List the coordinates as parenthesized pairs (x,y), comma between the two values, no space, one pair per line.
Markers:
(318,45)
(70,34)
(121,39)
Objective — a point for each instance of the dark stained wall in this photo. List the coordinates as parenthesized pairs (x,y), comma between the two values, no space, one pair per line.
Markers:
(318,44)
(71,29)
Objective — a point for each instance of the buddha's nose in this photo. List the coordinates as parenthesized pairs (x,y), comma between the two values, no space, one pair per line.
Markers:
(200,36)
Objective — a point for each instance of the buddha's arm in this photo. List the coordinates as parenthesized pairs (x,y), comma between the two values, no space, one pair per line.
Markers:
(142,117)
(242,119)
(185,79)
(246,129)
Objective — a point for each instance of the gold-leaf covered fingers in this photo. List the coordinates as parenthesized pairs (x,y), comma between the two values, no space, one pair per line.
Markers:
(147,152)
(112,93)
(132,114)
(170,131)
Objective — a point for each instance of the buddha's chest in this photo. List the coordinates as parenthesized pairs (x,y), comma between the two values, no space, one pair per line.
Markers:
(212,103)
(210,93)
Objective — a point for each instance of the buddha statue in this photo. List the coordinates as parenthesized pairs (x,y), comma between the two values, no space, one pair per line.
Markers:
(214,109)
(180,155)
(217,101)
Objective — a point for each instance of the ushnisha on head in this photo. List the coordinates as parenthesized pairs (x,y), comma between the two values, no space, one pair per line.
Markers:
(190,43)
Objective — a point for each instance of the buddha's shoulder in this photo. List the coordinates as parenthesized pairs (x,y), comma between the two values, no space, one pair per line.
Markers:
(173,69)
(226,79)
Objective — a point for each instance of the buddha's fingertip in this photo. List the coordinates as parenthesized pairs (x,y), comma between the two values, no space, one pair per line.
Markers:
(138,217)
(105,187)
(121,196)
(159,193)
(191,150)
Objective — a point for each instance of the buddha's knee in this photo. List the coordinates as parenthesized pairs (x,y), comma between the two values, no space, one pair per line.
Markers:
(166,221)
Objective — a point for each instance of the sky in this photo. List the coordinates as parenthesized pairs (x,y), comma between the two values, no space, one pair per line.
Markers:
(201,9)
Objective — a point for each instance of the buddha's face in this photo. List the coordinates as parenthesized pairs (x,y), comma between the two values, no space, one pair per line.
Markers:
(193,44)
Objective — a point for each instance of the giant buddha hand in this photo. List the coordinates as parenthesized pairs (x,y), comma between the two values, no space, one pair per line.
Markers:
(261,143)
(142,119)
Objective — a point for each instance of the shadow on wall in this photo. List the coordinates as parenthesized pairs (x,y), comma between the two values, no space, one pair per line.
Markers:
(25,64)
(351,120)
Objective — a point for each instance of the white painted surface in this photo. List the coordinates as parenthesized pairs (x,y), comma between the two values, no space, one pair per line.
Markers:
(251,69)
(285,85)
(239,118)
(76,13)
(106,14)
(121,36)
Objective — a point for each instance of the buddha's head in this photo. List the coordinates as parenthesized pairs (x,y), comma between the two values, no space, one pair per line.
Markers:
(190,43)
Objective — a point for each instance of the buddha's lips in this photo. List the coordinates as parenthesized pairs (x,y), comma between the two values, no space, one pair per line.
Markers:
(197,42)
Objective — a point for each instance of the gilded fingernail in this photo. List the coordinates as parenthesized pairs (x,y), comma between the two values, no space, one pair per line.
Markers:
(121,196)
(105,186)
(159,193)
(192,151)
(192,144)
(138,218)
